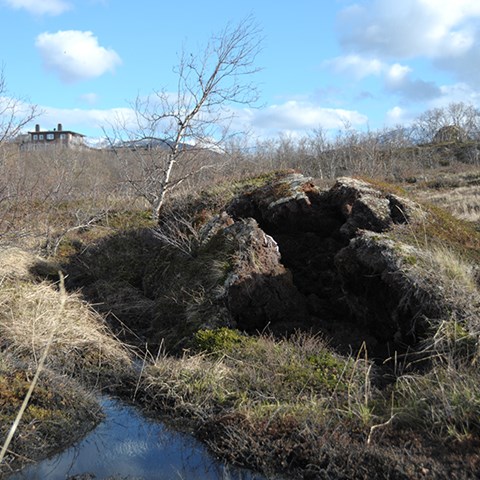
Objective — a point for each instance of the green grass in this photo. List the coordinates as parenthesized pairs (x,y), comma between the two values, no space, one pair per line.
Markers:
(445,402)
(256,376)
(283,393)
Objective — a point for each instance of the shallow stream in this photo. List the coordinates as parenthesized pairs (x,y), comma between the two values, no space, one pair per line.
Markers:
(128,446)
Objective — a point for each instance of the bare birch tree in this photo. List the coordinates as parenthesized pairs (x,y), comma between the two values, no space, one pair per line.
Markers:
(171,128)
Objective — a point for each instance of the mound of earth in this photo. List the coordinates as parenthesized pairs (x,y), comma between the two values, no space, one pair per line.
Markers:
(281,257)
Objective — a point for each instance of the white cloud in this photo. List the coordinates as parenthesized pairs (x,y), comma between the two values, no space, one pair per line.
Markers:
(406,29)
(85,120)
(454,93)
(75,55)
(397,116)
(40,7)
(398,80)
(458,92)
(445,32)
(397,73)
(294,116)
(356,65)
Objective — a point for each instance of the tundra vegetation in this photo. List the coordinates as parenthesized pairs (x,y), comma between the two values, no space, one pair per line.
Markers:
(376,377)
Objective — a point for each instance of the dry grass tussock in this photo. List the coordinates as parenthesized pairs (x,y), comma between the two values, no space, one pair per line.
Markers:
(52,344)
(16,263)
(455,273)
(445,402)
(31,311)
(462,202)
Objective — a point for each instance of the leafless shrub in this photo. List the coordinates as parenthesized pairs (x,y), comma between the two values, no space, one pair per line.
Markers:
(462,117)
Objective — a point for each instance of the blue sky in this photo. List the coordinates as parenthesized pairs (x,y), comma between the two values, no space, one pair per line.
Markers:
(325,63)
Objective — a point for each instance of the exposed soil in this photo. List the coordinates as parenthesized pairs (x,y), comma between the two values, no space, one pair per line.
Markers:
(312,234)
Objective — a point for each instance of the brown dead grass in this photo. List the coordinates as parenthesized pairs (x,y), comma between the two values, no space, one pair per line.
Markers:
(31,310)
(462,202)
(39,321)
(28,315)
(19,264)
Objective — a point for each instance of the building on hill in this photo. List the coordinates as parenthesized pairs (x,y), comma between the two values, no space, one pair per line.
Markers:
(58,137)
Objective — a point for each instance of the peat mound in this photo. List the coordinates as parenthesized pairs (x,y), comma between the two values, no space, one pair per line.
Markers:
(281,257)
(358,282)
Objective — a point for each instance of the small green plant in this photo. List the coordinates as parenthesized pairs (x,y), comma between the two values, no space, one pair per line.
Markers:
(217,341)
(445,402)
(454,343)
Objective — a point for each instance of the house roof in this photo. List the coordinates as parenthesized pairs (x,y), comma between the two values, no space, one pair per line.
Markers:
(58,131)
(55,130)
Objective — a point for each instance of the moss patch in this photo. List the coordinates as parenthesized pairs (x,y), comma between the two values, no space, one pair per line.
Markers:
(59,413)
(441,228)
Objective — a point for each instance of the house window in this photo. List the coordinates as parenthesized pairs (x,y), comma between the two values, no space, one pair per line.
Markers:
(50,136)
(35,137)
(40,136)
(63,136)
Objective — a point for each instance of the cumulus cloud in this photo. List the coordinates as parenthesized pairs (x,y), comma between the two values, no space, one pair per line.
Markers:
(40,7)
(399,116)
(458,92)
(398,80)
(465,67)
(292,118)
(75,55)
(298,116)
(446,32)
(397,73)
(434,28)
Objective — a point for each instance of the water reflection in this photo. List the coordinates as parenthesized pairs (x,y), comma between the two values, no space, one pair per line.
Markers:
(129,446)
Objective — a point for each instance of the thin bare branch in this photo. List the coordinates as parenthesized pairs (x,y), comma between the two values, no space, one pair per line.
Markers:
(172,128)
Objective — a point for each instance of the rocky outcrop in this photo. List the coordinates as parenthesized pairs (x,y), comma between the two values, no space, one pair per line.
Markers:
(289,203)
(289,256)
(259,290)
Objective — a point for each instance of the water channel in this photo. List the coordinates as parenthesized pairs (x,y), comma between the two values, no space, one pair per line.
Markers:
(128,446)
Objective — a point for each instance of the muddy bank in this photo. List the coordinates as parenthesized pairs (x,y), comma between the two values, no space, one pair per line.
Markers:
(59,413)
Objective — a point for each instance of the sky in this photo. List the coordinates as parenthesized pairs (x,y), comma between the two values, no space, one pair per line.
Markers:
(330,64)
